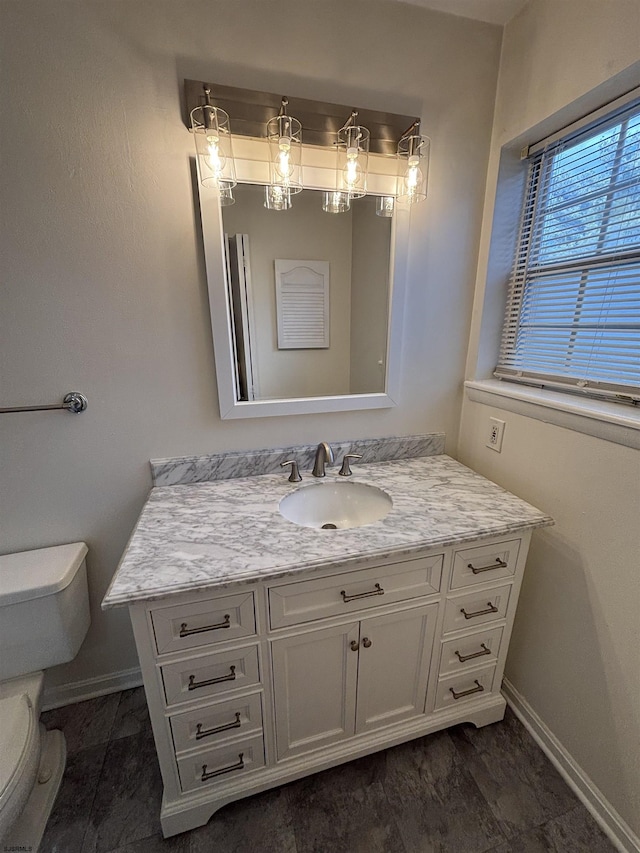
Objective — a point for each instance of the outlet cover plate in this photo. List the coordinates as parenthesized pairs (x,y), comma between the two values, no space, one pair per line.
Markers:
(495,434)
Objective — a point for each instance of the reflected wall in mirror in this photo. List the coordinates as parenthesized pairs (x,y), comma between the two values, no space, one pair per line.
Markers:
(356,246)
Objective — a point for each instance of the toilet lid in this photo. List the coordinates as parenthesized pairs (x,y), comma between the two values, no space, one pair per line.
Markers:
(15,726)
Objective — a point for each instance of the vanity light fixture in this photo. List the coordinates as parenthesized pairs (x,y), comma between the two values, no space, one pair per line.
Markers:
(385,205)
(212,135)
(284,133)
(341,173)
(277,198)
(336,202)
(353,158)
(413,165)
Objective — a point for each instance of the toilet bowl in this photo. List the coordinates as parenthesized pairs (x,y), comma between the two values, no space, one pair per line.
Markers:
(44,617)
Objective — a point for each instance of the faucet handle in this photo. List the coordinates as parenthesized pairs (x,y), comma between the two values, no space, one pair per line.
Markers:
(345,471)
(294,476)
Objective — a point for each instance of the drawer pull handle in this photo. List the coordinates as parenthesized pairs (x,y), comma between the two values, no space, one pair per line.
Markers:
(377,591)
(200,733)
(483,651)
(490,609)
(213,773)
(355,645)
(193,684)
(187,632)
(366,642)
(477,689)
(499,564)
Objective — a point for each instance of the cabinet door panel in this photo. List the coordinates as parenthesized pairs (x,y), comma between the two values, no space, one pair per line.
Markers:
(315,687)
(393,670)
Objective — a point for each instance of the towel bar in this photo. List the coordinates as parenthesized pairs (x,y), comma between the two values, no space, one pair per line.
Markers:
(73,402)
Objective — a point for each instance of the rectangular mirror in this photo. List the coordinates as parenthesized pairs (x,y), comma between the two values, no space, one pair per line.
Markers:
(306,306)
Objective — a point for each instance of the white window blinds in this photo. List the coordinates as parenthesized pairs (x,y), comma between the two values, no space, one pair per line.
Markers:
(573,305)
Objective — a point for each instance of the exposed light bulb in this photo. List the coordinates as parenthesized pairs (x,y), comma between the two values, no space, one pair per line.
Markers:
(352,171)
(413,177)
(283,162)
(215,159)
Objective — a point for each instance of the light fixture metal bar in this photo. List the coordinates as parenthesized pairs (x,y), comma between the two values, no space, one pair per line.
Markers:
(250,110)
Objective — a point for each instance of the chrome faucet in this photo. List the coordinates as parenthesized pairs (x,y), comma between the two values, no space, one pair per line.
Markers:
(324,456)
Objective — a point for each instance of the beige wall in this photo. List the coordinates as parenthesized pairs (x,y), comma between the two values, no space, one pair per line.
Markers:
(574,653)
(103,286)
(305,232)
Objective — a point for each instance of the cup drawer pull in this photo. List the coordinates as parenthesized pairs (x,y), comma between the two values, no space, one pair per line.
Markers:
(193,684)
(200,732)
(477,689)
(483,651)
(213,773)
(491,608)
(376,591)
(187,632)
(499,564)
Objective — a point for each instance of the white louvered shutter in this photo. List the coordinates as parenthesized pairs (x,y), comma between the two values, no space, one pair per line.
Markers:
(302,303)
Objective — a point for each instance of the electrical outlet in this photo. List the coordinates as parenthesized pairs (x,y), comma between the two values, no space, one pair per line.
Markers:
(495,434)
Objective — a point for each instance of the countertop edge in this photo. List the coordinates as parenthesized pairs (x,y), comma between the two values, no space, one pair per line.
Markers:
(254,576)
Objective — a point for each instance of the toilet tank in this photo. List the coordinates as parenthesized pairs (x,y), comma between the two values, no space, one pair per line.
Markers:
(44,608)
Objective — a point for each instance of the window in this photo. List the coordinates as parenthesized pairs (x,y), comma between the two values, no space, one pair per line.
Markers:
(573,307)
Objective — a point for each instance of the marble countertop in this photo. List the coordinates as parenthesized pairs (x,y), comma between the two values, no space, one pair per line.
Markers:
(211,535)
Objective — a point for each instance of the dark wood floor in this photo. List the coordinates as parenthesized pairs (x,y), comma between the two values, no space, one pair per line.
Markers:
(465,790)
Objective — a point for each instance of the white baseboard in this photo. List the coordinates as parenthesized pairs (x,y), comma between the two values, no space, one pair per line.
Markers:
(620,833)
(78,691)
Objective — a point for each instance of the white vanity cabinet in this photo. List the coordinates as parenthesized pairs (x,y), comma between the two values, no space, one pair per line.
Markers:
(256,684)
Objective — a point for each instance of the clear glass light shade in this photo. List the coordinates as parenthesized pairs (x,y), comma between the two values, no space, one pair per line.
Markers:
(385,205)
(336,202)
(226,197)
(277,198)
(353,160)
(212,135)
(285,152)
(413,169)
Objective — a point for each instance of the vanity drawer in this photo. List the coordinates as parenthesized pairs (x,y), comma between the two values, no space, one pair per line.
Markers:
(484,563)
(470,651)
(464,687)
(201,623)
(467,611)
(221,763)
(209,726)
(210,675)
(306,601)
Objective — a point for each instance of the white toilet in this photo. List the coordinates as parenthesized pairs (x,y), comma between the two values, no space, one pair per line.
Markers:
(44,617)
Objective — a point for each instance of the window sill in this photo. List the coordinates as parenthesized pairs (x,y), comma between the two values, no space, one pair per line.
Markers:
(608,421)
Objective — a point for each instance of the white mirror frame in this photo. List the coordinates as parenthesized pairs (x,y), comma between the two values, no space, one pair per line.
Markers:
(252,167)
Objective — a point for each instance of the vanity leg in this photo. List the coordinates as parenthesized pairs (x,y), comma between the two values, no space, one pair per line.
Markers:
(491,714)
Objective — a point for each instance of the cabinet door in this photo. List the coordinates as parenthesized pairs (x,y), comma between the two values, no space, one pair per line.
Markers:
(315,688)
(393,667)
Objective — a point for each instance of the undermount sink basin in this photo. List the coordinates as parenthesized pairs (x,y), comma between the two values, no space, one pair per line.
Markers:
(335,505)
